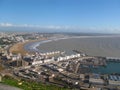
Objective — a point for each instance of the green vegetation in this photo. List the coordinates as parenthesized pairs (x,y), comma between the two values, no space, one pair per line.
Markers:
(31,85)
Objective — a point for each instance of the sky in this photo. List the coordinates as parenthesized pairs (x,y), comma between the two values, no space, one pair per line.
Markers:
(102,16)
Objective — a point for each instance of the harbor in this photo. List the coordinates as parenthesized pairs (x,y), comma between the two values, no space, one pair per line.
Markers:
(106,65)
(110,68)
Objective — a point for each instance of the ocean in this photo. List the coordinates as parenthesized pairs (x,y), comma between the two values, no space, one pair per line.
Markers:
(93,46)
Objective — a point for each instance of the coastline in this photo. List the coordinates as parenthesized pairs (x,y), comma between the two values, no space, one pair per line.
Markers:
(31,46)
(34,47)
(19,47)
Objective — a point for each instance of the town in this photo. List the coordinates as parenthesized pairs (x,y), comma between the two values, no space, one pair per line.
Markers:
(54,67)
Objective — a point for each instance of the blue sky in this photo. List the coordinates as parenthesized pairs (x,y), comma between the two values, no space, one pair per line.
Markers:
(79,15)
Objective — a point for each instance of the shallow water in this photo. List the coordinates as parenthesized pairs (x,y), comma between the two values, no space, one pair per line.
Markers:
(105,46)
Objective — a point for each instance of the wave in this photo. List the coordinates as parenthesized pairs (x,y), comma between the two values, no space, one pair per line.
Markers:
(34,46)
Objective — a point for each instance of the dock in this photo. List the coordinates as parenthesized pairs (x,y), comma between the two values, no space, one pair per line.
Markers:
(112,59)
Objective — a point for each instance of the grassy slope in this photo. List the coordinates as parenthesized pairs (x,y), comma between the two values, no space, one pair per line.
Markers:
(30,85)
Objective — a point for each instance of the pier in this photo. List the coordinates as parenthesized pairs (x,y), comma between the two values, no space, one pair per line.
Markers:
(112,59)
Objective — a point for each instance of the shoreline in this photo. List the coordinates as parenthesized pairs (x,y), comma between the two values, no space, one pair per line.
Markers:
(33,47)
(19,47)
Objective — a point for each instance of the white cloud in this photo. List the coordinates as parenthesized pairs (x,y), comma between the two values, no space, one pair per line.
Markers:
(35,26)
(6,24)
(67,28)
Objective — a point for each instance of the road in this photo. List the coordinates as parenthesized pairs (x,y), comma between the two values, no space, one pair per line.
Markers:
(7,87)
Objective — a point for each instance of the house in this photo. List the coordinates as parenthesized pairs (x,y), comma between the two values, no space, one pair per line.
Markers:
(96,79)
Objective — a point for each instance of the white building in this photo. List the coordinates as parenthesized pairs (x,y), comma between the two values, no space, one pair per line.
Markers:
(68,57)
(37,62)
(96,81)
(60,69)
(49,60)
(112,82)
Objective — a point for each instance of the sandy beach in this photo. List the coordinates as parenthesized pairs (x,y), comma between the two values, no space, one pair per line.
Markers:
(19,47)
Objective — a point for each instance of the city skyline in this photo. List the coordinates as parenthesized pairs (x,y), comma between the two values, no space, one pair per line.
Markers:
(99,16)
